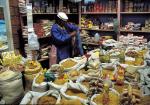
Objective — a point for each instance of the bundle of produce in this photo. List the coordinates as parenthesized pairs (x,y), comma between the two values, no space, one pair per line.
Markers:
(130,96)
(9,82)
(12,60)
(50,97)
(40,82)
(74,91)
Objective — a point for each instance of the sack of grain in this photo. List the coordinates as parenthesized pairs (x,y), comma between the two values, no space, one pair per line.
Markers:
(34,98)
(114,98)
(39,87)
(75,87)
(9,82)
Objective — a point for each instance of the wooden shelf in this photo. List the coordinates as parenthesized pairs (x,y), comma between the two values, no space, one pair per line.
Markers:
(44,37)
(138,31)
(23,15)
(97,29)
(134,13)
(107,13)
(39,37)
(94,44)
(43,59)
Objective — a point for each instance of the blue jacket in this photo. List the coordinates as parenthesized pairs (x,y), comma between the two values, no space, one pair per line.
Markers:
(62,40)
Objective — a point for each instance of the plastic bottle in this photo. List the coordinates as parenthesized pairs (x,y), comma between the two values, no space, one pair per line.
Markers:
(97,37)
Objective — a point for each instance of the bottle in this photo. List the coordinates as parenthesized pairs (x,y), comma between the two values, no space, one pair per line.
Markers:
(97,37)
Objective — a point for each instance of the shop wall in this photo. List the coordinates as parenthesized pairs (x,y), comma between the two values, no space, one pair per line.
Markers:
(15,22)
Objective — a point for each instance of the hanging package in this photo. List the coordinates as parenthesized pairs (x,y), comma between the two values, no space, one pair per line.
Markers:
(33,41)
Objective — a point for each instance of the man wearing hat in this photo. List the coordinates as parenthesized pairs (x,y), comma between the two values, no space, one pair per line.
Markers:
(65,37)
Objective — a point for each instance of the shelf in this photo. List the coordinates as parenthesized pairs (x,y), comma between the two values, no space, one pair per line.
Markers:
(43,59)
(38,37)
(23,15)
(107,13)
(135,31)
(94,44)
(134,12)
(44,37)
(97,29)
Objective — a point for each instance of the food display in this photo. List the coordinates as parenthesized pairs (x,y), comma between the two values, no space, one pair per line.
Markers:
(47,100)
(114,76)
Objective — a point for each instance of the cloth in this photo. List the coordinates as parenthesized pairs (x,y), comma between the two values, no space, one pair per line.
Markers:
(63,41)
(53,56)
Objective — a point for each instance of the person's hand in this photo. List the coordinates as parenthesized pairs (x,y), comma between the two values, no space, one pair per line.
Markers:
(72,34)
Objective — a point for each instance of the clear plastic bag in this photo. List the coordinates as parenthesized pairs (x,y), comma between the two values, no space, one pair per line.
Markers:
(33,41)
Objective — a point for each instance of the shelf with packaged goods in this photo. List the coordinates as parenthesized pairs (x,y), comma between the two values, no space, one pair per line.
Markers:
(97,29)
(38,37)
(98,13)
(133,13)
(23,15)
(138,31)
(94,44)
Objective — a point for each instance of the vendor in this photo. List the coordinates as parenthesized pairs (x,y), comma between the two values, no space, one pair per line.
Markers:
(66,38)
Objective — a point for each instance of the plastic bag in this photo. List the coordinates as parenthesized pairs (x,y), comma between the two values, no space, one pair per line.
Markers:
(9,85)
(33,41)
